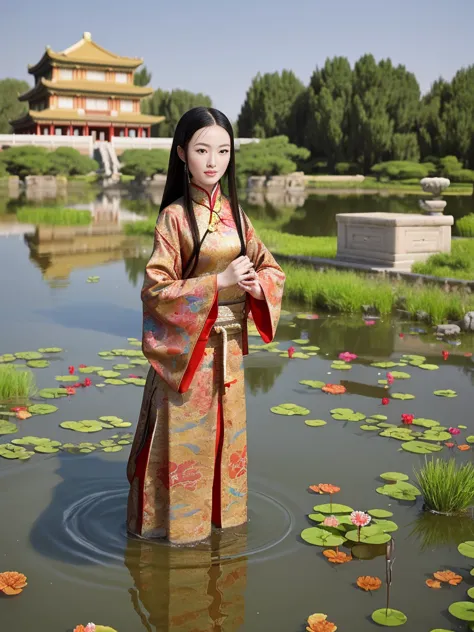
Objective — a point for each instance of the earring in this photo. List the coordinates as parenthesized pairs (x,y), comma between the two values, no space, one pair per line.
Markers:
(186,172)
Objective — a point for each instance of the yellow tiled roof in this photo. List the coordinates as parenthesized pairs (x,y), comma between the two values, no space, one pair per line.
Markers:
(46,116)
(85,51)
(89,87)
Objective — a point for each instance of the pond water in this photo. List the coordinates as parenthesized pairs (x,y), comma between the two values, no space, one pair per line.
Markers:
(63,514)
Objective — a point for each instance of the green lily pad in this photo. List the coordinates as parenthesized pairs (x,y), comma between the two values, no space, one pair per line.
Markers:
(398,433)
(434,434)
(317,517)
(42,409)
(334,509)
(7,427)
(380,513)
(425,423)
(93,279)
(137,381)
(114,448)
(313,348)
(470,439)
(315,423)
(413,358)
(382,382)
(467,548)
(369,535)
(421,447)
(384,365)
(297,354)
(463,610)
(445,393)
(114,381)
(402,396)
(46,449)
(401,375)
(321,537)
(108,373)
(88,425)
(401,491)
(90,369)
(38,364)
(111,419)
(139,361)
(35,441)
(7,357)
(379,417)
(428,367)
(387,525)
(462,427)
(341,366)
(389,617)
(313,383)
(66,378)
(50,350)
(301,341)
(289,409)
(346,414)
(122,367)
(10,451)
(365,427)
(394,476)
(28,355)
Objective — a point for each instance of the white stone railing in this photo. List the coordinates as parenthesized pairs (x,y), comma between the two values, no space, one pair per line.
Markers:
(121,143)
(84,144)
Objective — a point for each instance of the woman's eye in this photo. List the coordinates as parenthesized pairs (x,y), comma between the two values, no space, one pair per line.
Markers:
(201,150)
(224,151)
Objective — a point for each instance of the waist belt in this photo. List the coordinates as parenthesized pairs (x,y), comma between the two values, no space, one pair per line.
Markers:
(229,320)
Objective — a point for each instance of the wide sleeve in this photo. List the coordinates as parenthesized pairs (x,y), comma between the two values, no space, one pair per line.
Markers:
(265,312)
(177,313)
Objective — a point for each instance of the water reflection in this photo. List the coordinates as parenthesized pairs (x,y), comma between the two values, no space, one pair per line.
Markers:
(187,590)
(433,531)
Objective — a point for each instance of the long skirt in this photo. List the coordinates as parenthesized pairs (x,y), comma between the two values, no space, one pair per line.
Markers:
(188,463)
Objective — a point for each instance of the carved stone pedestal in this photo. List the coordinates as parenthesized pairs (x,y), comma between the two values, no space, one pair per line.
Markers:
(391,240)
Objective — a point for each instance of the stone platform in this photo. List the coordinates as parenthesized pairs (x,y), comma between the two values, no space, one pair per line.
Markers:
(391,240)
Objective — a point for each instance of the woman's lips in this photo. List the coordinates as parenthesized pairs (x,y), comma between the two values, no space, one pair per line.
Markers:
(210,173)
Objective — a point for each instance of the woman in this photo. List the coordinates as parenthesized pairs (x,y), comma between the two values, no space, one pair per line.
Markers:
(188,464)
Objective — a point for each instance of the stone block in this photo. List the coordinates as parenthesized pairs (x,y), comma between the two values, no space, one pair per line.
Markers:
(391,240)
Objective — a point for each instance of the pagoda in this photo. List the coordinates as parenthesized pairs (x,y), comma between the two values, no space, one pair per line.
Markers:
(85,90)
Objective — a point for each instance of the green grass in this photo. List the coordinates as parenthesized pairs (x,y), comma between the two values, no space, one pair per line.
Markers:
(16,384)
(287,244)
(458,264)
(347,292)
(141,227)
(465,226)
(90,177)
(58,216)
(408,186)
(446,486)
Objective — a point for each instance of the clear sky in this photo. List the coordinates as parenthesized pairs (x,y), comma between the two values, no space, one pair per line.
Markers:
(218,47)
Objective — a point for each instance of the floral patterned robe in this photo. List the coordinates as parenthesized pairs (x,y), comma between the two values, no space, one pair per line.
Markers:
(188,463)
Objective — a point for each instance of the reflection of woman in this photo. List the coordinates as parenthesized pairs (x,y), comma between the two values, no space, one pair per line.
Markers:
(181,590)
(208,270)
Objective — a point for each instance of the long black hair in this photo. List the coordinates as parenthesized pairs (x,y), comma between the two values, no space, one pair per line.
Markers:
(178,182)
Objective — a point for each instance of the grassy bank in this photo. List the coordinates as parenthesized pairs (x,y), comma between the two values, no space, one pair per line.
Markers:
(347,292)
(53,216)
(395,186)
(458,264)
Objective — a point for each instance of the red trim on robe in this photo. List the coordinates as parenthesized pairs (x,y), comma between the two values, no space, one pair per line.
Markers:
(261,316)
(199,348)
(140,469)
(216,486)
(211,198)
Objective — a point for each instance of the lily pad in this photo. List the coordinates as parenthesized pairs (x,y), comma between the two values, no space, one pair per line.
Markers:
(46,449)
(122,367)
(108,373)
(401,375)
(10,451)
(315,423)
(402,396)
(317,517)
(445,393)
(137,381)
(463,610)
(428,367)
(311,348)
(111,419)
(38,364)
(384,365)
(90,369)
(401,434)
(321,537)
(296,354)
(383,382)
(301,341)
(313,383)
(379,417)
(93,279)
(467,548)
(114,381)
(387,525)
(380,513)
(50,350)
(401,491)
(289,409)
(7,427)
(139,361)
(42,409)
(421,447)
(334,509)
(470,439)
(434,434)
(114,448)
(342,366)
(66,378)
(347,414)
(365,427)
(394,476)
(369,535)
(28,355)
(7,357)
(425,423)
(389,617)
(88,425)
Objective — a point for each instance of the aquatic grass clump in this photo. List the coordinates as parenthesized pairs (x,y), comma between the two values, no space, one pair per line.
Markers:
(447,487)
(54,216)
(145,227)
(435,301)
(16,383)
(465,226)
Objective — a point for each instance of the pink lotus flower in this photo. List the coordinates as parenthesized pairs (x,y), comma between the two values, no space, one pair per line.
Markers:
(401,335)
(90,627)
(369,322)
(360,518)
(71,370)
(385,401)
(390,378)
(347,356)
(87,382)
(70,390)
(331,521)
(454,431)
(134,376)
(291,351)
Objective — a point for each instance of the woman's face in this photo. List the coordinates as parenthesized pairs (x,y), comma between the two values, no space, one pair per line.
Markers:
(207,156)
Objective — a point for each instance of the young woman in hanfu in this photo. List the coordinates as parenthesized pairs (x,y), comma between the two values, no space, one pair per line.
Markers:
(188,464)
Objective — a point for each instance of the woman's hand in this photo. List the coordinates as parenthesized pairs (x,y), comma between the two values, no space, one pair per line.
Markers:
(238,271)
(253,287)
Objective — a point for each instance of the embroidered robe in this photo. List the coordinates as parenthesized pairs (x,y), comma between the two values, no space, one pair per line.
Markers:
(188,463)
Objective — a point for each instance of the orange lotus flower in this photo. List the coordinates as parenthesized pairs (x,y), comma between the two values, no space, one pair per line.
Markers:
(433,583)
(369,583)
(463,447)
(315,489)
(448,577)
(326,488)
(318,623)
(337,557)
(23,414)
(334,389)
(12,583)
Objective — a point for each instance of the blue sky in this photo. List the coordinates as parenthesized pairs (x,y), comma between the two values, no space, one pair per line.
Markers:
(218,47)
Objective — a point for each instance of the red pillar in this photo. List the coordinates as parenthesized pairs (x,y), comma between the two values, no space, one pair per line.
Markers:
(86,130)
(38,129)
(126,132)
(69,131)
(148,131)
(111,132)
(51,129)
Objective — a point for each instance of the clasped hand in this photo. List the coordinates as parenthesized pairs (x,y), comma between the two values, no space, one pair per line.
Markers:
(241,272)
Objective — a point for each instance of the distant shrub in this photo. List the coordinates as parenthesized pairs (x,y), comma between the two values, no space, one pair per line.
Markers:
(463,175)
(402,170)
(144,163)
(465,226)
(38,161)
(346,168)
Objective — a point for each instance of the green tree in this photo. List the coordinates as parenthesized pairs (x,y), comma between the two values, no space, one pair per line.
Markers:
(69,162)
(431,127)
(142,77)
(10,107)
(143,163)
(172,105)
(268,104)
(270,156)
(26,161)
